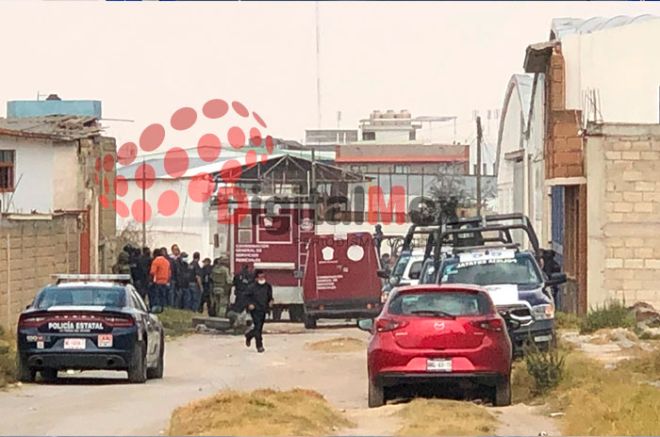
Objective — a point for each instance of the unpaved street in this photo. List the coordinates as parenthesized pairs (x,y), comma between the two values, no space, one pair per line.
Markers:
(197,366)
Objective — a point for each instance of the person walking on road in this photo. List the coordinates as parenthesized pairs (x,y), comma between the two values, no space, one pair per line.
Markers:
(161,275)
(220,296)
(259,298)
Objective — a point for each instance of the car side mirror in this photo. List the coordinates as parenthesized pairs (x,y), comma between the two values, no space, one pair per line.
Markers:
(365,324)
(383,274)
(556,279)
(156,310)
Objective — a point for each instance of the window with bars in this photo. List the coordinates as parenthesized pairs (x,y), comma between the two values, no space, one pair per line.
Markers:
(7,165)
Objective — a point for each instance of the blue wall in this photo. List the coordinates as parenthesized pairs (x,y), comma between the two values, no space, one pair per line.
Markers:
(37,108)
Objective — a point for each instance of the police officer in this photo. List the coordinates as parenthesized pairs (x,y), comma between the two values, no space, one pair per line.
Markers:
(123,266)
(259,298)
(221,280)
(242,281)
(207,285)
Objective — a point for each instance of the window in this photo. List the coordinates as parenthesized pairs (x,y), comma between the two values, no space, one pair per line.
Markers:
(7,163)
(368,136)
(429,303)
(520,270)
(412,135)
(106,297)
(401,169)
(415,270)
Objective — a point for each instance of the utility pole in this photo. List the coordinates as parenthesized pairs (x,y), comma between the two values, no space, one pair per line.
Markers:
(144,204)
(318,69)
(479,135)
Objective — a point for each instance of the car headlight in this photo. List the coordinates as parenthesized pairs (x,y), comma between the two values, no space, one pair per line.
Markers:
(543,312)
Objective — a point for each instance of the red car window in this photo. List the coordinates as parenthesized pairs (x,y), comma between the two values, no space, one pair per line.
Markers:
(456,304)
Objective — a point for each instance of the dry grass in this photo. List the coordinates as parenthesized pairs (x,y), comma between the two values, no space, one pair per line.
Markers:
(338,345)
(7,358)
(262,412)
(177,322)
(646,364)
(597,401)
(436,417)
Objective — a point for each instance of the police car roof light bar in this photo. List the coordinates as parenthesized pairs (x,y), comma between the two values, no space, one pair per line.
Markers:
(91,277)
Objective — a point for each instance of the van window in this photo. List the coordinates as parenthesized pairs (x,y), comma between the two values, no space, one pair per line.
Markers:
(415,270)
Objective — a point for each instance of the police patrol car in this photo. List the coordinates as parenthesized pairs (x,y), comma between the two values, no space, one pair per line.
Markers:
(514,281)
(90,322)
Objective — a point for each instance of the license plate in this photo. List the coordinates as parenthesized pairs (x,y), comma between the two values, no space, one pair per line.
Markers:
(438,365)
(105,340)
(542,338)
(75,343)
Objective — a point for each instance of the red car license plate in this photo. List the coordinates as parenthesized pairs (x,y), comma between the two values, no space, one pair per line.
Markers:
(438,365)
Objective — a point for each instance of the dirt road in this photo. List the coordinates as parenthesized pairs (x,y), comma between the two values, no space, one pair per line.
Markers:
(103,403)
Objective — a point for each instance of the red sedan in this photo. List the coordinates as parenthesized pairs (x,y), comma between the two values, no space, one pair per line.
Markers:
(439,335)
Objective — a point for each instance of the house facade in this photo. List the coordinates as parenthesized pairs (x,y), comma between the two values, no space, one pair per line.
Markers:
(575,79)
(61,163)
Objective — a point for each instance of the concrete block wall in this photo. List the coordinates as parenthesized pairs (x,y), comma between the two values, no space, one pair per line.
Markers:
(31,249)
(623,171)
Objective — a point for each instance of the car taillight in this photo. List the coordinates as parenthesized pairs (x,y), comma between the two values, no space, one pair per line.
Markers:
(490,324)
(385,325)
(31,322)
(118,322)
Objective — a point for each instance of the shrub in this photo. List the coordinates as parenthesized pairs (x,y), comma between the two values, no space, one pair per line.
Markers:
(613,314)
(567,320)
(545,367)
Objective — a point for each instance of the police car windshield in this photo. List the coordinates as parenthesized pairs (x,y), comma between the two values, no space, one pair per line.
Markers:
(81,296)
(401,264)
(519,270)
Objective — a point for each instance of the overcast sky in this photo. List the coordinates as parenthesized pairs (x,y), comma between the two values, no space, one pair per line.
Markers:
(145,60)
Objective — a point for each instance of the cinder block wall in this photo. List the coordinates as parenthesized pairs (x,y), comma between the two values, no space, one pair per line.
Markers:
(30,251)
(623,180)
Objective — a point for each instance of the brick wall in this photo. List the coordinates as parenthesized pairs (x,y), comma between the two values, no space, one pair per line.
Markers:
(31,250)
(563,146)
(627,177)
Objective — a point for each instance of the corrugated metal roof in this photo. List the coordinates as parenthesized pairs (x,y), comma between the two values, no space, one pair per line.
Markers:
(57,127)
(562,27)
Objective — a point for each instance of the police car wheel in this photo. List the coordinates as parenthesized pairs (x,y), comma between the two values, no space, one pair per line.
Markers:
(137,371)
(49,375)
(24,372)
(157,372)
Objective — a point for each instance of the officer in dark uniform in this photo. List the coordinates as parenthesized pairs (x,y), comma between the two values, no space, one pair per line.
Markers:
(259,298)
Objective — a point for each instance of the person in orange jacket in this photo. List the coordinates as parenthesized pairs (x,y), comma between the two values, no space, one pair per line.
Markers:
(161,273)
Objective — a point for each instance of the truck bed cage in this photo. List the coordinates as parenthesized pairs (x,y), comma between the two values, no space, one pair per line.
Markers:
(453,232)
(121,279)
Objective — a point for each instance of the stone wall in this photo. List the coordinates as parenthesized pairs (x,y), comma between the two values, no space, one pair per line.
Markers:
(31,249)
(623,179)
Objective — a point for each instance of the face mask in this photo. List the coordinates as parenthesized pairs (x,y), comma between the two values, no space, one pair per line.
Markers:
(185,260)
(261,281)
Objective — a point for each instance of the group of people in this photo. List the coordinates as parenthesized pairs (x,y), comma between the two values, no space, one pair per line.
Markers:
(173,279)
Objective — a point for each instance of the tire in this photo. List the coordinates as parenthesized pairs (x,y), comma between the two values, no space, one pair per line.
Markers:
(137,370)
(296,313)
(309,321)
(276,314)
(376,395)
(157,372)
(49,375)
(502,395)
(23,372)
